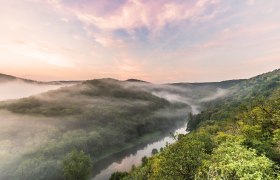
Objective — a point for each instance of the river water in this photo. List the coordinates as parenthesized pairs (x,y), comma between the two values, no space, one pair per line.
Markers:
(124,160)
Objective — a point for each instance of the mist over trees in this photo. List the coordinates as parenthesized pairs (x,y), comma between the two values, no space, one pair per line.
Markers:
(101,117)
(236,137)
(98,117)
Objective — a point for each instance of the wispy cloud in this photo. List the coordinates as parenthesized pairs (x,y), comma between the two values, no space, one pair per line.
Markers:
(161,41)
(138,13)
(40,52)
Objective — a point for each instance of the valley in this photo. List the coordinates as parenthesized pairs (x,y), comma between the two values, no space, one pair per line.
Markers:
(100,117)
(139,90)
(110,119)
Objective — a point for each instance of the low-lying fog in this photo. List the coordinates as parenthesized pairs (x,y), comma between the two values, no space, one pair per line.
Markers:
(19,89)
(20,133)
(173,93)
(218,94)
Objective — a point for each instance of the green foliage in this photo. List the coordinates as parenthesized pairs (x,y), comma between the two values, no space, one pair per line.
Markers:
(118,175)
(233,138)
(154,151)
(233,161)
(76,166)
(179,161)
(144,160)
(246,93)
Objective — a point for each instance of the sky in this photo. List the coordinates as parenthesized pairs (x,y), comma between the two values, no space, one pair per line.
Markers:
(158,41)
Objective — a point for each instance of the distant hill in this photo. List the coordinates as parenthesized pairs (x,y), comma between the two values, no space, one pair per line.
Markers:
(222,84)
(7,78)
(4,77)
(136,80)
(261,86)
(14,87)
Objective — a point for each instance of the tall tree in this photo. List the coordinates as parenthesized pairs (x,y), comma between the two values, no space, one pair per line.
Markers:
(76,165)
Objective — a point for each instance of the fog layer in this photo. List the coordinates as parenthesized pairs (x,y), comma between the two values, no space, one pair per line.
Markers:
(37,132)
(18,89)
(182,94)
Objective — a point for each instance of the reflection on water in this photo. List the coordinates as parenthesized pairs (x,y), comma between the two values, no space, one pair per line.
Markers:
(125,160)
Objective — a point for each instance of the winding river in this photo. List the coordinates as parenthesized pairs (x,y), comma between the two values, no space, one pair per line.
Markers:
(124,160)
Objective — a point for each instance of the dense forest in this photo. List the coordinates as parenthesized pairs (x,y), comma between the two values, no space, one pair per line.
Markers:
(236,137)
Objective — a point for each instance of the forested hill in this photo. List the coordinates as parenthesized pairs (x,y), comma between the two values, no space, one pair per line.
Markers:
(222,84)
(237,137)
(98,117)
(246,91)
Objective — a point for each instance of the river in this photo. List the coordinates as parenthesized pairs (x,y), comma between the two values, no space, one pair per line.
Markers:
(124,160)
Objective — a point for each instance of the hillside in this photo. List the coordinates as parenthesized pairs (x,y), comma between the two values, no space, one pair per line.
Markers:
(232,138)
(105,116)
(251,90)
(4,78)
(99,117)
(14,88)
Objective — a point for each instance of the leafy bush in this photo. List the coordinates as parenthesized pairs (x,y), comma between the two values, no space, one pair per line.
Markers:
(233,161)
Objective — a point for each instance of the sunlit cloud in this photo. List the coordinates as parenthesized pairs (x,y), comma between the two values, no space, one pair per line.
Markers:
(40,53)
(139,13)
(159,41)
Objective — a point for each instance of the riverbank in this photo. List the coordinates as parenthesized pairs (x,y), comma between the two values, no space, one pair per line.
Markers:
(123,159)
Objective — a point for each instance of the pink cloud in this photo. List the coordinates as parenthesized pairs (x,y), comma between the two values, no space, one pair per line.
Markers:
(229,36)
(266,60)
(137,13)
(109,41)
(40,52)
